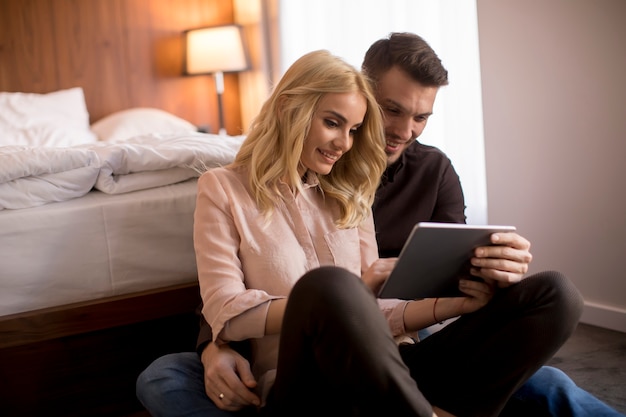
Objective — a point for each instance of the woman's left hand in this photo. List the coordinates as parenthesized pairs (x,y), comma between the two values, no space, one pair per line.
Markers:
(378,272)
(478,294)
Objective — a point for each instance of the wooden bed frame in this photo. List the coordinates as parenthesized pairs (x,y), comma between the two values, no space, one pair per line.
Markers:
(83,359)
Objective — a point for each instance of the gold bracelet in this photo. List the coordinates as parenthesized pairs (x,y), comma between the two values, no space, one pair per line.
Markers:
(434,315)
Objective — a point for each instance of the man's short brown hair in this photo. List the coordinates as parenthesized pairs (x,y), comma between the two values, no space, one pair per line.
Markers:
(409,52)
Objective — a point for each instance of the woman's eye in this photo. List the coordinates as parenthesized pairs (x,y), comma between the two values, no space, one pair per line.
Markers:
(330,123)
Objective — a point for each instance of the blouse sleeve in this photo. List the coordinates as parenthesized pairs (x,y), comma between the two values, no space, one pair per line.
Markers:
(233,311)
(368,244)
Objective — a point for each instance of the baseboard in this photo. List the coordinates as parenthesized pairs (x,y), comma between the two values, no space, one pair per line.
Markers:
(600,315)
(604,316)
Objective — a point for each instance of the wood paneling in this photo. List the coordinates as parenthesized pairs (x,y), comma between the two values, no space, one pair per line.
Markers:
(258,18)
(123,53)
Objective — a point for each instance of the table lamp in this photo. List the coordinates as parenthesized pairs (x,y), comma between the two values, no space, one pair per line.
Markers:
(215,50)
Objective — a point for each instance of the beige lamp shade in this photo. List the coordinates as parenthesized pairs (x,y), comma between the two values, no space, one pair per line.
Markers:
(215,49)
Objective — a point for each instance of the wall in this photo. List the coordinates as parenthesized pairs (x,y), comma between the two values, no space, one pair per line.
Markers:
(258,19)
(124,53)
(554,101)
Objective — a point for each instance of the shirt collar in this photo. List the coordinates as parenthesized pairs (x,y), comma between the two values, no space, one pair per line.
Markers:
(310,179)
(392,170)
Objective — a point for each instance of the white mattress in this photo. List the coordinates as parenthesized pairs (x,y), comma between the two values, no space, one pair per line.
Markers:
(96,246)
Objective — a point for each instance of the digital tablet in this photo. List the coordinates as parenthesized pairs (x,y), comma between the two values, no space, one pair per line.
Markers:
(434,258)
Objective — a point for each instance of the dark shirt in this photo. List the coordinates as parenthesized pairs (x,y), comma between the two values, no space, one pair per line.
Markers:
(420,186)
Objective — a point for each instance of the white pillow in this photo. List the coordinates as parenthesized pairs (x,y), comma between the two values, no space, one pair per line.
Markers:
(54,119)
(125,124)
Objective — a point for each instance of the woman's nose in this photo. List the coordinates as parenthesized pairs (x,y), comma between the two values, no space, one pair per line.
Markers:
(344,140)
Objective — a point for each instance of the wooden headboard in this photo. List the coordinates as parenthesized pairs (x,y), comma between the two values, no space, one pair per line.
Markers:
(123,53)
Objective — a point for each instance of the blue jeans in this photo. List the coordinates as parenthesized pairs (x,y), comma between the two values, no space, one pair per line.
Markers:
(173,385)
(550,392)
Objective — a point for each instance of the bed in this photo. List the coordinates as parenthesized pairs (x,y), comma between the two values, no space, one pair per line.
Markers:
(97,271)
(98,268)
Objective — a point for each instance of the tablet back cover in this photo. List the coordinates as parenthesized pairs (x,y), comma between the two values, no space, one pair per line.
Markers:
(434,258)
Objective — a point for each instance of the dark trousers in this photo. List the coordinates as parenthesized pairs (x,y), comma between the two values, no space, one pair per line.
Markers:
(337,352)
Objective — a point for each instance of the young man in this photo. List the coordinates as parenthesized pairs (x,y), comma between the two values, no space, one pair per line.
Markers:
(420,184)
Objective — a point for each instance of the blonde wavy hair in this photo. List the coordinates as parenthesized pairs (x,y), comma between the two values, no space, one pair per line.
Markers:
(275,141)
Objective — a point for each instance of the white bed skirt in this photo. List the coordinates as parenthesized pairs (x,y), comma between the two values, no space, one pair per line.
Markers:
(96,246)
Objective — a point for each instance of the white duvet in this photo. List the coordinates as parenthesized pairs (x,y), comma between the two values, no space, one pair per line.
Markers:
(32,176)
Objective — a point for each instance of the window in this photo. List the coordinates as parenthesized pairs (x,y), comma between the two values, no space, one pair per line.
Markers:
(348,27)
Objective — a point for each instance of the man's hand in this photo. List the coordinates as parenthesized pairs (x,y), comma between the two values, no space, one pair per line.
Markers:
(505,263)
(227,378)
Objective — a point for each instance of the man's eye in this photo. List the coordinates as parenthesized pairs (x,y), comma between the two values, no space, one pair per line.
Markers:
(392,110)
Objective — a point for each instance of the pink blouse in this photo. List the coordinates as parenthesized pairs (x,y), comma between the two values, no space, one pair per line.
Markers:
(244,260)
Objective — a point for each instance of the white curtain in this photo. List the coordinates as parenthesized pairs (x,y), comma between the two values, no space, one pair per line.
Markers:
(348,27)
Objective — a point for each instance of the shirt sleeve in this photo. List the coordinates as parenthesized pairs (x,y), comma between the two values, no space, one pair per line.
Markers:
(450,203)
(367,243)
(232,311)
(205,335)
(393,310)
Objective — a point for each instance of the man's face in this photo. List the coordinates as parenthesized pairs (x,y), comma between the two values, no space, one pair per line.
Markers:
(406,106)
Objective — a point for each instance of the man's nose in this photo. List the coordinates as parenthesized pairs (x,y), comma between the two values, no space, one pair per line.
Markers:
(406,130)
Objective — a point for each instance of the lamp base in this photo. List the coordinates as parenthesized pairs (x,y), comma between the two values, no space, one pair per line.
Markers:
(219,88)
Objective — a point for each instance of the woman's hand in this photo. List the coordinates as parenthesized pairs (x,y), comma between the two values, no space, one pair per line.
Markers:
(423,313)
(479,293)
(377,273)
(419,314)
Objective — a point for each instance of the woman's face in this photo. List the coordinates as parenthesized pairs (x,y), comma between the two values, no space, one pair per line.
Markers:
(336,119)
